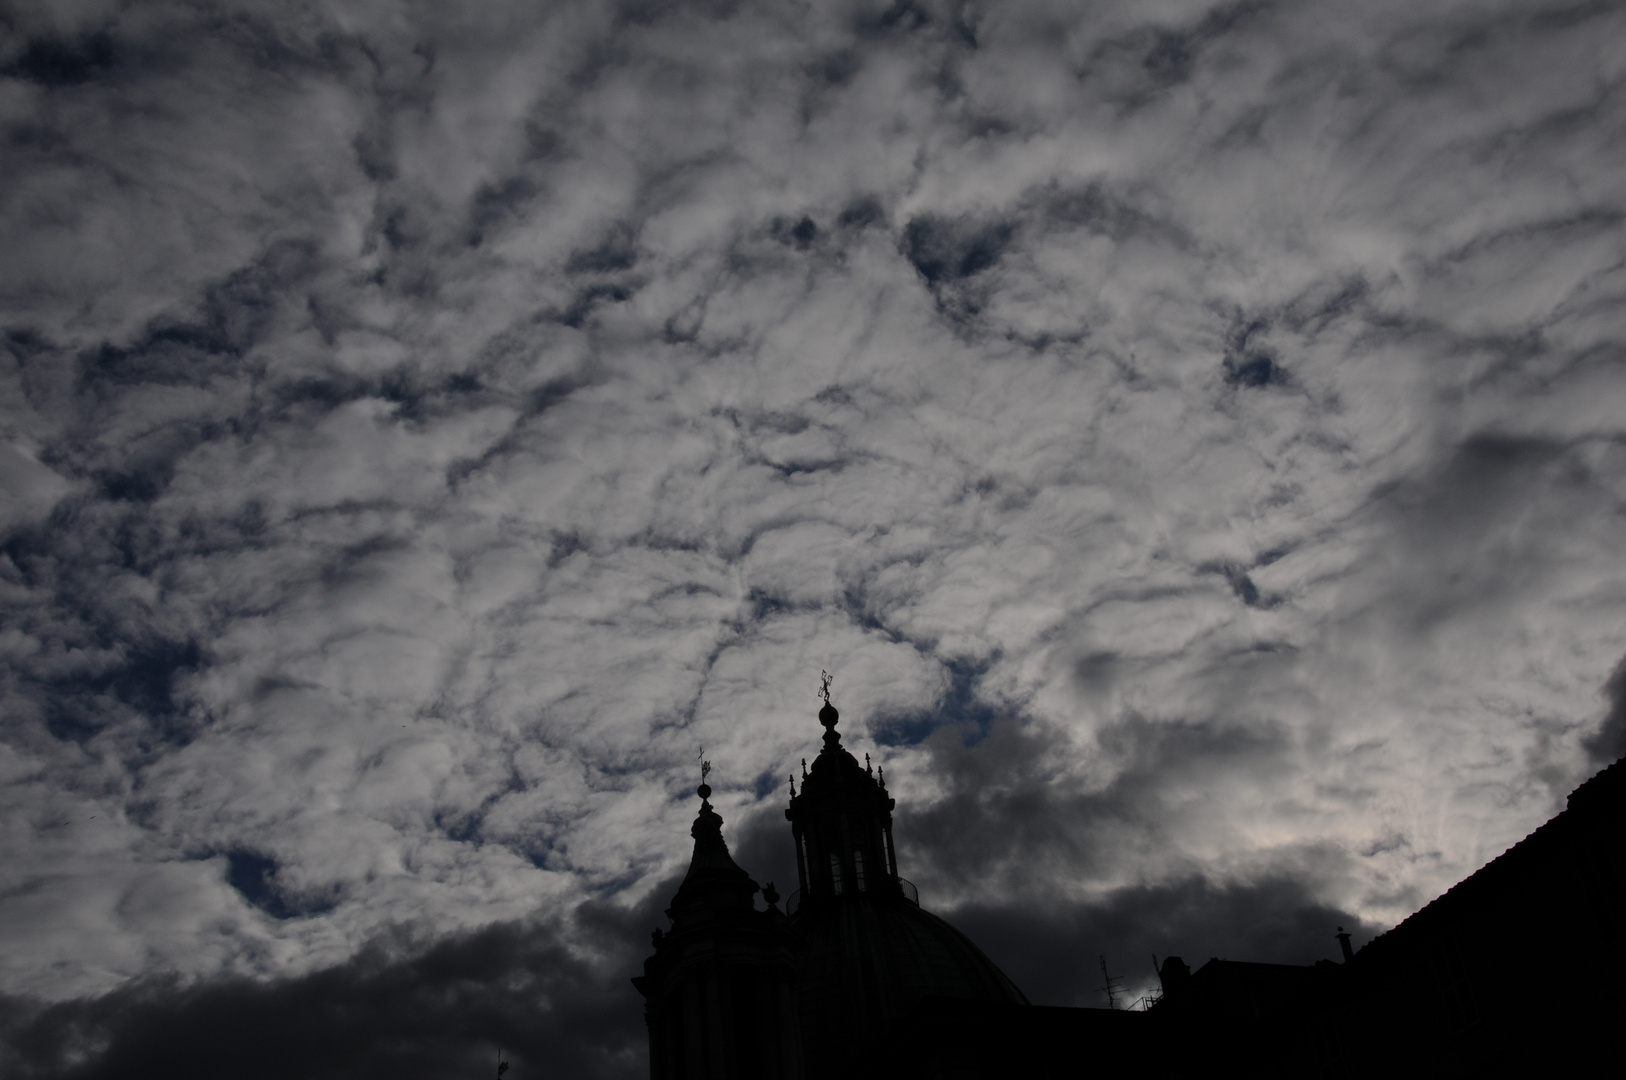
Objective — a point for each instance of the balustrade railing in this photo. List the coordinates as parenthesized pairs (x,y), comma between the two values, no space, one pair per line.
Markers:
(907,887)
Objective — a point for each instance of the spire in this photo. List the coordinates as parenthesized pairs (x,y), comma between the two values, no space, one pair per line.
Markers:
(723,976)
(714,878)
(710,850)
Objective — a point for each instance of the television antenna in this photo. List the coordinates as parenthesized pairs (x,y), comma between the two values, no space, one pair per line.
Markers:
(1113,987)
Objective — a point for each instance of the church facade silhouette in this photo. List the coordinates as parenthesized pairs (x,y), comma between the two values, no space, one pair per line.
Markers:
(852,978)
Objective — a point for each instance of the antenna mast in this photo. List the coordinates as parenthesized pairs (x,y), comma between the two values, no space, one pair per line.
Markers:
(1113,987)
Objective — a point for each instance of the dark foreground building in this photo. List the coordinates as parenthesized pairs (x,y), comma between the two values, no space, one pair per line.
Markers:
(1514,972)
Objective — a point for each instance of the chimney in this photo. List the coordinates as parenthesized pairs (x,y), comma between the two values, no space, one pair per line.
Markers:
(1343,944)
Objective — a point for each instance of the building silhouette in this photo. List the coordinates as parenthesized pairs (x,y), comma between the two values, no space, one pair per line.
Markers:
(1514,971)
(721,985)
(734,993)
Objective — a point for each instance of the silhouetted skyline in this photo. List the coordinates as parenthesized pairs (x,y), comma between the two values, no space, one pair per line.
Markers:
(1189,434)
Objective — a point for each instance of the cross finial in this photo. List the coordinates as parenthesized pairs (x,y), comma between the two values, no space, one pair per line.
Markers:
(824,686)
(704,790)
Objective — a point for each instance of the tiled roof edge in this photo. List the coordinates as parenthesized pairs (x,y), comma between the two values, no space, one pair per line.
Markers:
(1593,787)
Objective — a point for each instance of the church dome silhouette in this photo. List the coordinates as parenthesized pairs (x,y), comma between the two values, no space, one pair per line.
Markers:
(868,960)
(867,953)
(807,992)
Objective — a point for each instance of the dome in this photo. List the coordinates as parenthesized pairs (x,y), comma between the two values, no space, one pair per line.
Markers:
(867,959)
(866,954)
(837,762)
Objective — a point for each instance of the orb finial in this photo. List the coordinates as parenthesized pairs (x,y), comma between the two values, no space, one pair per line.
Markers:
(704,790)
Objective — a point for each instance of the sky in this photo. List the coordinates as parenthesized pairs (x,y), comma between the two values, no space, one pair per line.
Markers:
(1192,435)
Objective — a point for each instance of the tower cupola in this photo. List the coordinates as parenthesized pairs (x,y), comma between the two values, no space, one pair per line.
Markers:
(867,953)
(842,822)
(715,883)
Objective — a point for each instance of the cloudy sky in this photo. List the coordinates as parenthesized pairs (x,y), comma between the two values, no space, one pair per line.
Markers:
(1193,435)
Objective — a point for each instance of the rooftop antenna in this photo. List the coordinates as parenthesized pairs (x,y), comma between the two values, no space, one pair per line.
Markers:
(1112,988)
(1148,1000)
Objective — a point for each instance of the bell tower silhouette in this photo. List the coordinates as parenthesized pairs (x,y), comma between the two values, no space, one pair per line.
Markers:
(866,953)
(719,992)
(841,822)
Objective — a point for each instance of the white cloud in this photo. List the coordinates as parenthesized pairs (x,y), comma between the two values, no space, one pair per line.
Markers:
(425,434)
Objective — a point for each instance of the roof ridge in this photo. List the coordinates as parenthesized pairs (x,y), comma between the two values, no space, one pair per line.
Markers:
(1613,773)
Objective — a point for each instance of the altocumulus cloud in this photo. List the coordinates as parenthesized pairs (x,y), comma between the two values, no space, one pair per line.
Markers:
(1192,433)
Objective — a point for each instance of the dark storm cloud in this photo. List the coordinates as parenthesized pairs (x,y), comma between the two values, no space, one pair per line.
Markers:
(1609,742)
(553,996)
(762,844)
(1012,819)
(1462,540)
(57,61)
(1053,951)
